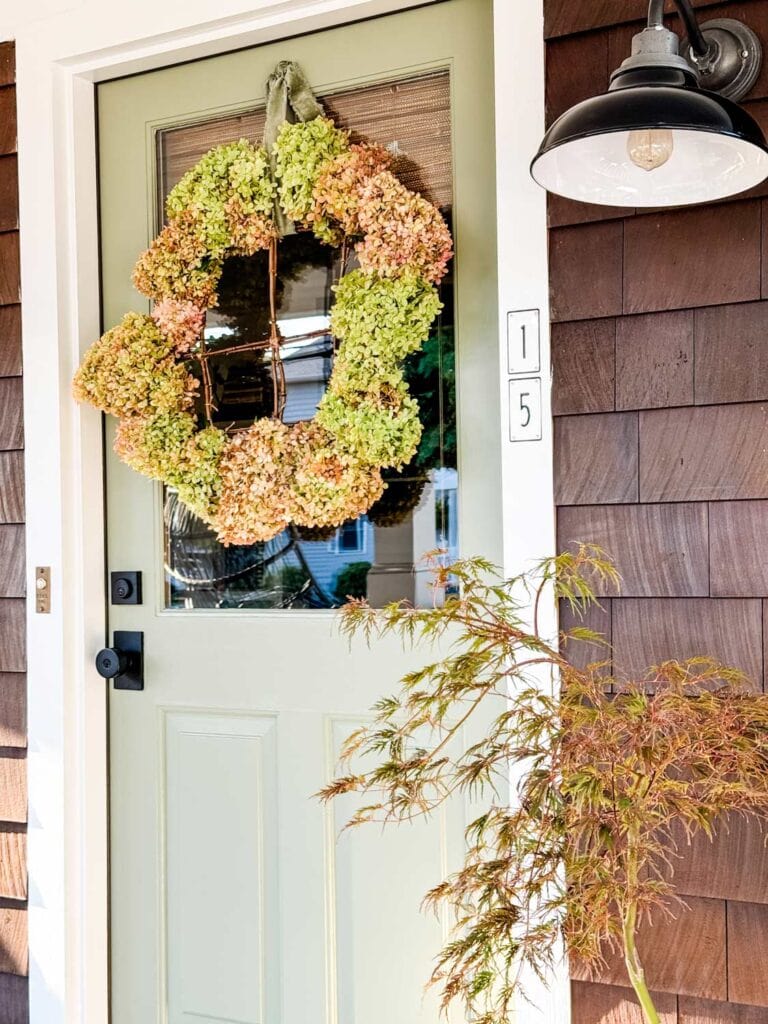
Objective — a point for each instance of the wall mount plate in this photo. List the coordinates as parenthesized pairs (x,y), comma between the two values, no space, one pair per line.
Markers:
(738,58)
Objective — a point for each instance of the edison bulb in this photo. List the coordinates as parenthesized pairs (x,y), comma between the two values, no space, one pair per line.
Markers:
(650,148)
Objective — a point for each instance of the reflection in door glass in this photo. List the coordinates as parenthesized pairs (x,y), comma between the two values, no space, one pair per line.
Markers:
(378,555)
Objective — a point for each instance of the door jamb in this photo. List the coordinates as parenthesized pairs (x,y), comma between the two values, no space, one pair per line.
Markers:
(59,61)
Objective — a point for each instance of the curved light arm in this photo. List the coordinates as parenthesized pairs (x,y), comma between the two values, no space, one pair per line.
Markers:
(699,45)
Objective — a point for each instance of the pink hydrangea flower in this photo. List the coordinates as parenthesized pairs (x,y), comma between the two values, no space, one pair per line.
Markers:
(182,322)
(402,231)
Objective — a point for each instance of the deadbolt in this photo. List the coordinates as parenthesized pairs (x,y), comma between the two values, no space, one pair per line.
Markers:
(125,587)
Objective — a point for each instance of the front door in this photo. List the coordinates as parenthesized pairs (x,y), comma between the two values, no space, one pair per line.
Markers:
(233,898)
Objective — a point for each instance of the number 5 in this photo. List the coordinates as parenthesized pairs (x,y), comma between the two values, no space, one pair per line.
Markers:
(525,410)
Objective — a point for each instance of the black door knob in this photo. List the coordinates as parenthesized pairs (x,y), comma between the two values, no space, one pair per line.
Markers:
(124,662)
(112,662)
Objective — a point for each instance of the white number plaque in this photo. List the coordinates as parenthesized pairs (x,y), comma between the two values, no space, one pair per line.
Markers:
(525,409)
(524,342)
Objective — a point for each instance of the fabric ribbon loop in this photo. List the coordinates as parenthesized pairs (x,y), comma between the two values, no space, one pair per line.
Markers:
(289,98)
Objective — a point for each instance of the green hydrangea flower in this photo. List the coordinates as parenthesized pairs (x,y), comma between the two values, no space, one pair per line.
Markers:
(234,173)
(198,477)
(383,318)
(169,447)
(302,151)
(131,370)
(381,436)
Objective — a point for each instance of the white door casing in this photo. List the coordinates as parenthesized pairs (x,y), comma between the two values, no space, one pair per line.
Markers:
(62,49)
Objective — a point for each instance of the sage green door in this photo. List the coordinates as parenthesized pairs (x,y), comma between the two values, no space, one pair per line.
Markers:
(234,898)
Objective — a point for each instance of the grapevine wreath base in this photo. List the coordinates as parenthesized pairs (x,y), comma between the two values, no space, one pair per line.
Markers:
(251,483)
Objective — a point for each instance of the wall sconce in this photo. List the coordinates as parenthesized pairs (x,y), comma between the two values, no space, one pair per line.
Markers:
(669,131)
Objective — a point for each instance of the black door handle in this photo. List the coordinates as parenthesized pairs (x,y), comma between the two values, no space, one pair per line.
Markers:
(112,662)
(124,662)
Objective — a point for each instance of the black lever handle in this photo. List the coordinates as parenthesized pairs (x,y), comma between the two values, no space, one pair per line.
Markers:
(124,662)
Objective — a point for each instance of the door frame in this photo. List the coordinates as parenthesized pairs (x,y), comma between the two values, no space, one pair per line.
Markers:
(64,48)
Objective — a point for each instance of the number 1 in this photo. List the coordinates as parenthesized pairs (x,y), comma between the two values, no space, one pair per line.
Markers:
(523,330)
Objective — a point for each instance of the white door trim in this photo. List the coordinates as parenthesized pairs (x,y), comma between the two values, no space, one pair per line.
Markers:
(523,273)
(63,48)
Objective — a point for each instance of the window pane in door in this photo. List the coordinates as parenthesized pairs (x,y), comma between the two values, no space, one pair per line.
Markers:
(378,555)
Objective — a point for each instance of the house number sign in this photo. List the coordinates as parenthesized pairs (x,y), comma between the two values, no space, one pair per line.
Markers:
(524,369)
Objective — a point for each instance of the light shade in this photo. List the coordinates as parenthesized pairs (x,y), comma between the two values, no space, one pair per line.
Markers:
(718,150)
(655,138)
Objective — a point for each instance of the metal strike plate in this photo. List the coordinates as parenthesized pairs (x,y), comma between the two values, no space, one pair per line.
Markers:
(43,589)
(132,643)
(125,587)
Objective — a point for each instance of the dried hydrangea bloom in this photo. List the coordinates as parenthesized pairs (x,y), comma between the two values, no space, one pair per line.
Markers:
(151,444)
(256,471)
(301,151)
(198,477)
(328,487)
(403,231)
(382,320)
(249,233)
(169,447)
(178,264)
(131,370)
(273,474)
(382,426)
(236,174)
(182,323)
(338,189)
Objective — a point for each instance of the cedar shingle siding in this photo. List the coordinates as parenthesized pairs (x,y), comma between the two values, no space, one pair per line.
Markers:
(13,742)
(660,352)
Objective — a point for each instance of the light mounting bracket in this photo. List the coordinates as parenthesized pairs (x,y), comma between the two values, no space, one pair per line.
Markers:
(733,61)
(725,53)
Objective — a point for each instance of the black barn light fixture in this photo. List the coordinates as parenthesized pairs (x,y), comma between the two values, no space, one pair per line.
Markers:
(669,131)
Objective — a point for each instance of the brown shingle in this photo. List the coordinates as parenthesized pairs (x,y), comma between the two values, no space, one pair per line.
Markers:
(585,271)
(647,632)
(709,453)
(609,1004)
(683,954)
(10,341)
(9,193)
(666,266)
(654,360)
(747,953)
(7,119)
(660,550)
(731,353)
(596,459)
(738,536)
(583,366)
(10,280)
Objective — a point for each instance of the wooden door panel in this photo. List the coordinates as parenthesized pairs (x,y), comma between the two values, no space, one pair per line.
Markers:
(234,901)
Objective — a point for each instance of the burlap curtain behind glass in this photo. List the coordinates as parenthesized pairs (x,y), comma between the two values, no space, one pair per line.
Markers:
(410,117)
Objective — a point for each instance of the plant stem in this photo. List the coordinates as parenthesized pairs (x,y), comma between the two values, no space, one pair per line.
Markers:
(635,967)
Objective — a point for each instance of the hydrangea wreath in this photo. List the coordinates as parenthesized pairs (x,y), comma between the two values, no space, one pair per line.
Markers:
(250,484)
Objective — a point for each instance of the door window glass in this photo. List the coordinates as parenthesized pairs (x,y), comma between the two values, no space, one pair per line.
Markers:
(378,555)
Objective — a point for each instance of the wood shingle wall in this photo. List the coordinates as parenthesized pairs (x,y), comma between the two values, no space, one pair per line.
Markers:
(13,743)
(660,349)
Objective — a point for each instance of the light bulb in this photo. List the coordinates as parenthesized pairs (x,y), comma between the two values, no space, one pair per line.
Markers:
(650,148)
